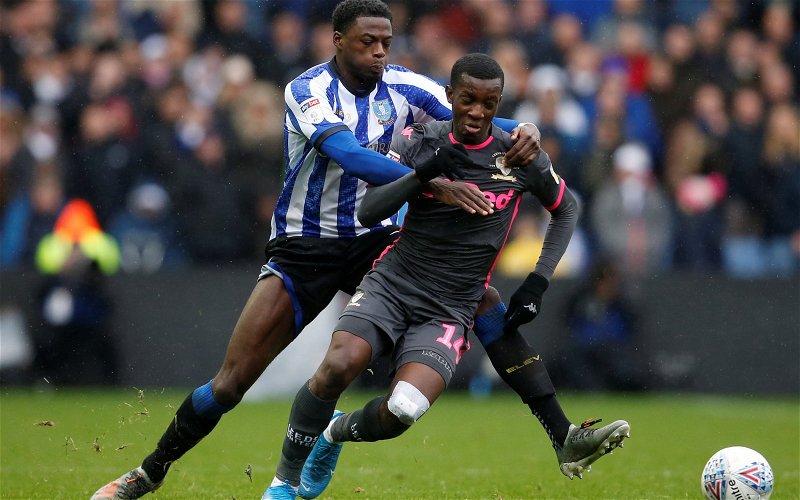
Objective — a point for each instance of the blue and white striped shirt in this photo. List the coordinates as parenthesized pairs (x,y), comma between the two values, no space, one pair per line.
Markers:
(318,198)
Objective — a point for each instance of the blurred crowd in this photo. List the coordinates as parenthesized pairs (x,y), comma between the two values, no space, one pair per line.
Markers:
(676,122)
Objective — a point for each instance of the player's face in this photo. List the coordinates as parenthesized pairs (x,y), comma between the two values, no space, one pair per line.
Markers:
(362,51)
(474,103)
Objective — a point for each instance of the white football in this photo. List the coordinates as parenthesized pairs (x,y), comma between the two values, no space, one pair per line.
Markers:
(737,473)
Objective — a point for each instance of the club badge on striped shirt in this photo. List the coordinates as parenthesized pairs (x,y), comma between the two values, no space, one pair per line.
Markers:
(383,111)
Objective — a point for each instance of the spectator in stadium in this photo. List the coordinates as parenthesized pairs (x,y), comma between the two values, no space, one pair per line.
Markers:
(287,58)
(597,165)
(779,25)
(743,145)
(33,161)
(583,66)
(709,33)
(680,49)
(510,55)
(627,15)
(165,111)
(550,104)
(600,352)
(780,175)
(74,342)
(742,59)
(147,232)
(418,301)
(777,82)
(615,99)
(30,215)
(566,33)
(497,24)
(103,24)
(258,145)
(226,30)
(532,31)
(108,164)
(212,201)
(694,166)
(319,46)
(662,90)
(317,246)
(631,216)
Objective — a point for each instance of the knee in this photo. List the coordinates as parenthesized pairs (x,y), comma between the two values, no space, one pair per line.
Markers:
(336,372)
(490,299)
(333,375)
(407,404)
(227,391)
(347,357)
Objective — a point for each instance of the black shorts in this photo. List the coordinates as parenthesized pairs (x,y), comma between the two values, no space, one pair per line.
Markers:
(314,269)
(399,318)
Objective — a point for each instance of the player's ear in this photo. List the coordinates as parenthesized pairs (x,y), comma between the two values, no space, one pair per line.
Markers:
(337,39)
(448,91)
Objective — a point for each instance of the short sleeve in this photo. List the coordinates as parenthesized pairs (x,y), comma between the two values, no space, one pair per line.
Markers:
(309,111)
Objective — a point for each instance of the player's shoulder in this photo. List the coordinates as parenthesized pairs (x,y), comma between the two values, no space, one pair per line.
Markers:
(542,163)
(426,131)
(542,177)
(314,78)
(409,137)
(399,69)
(502,137)
(396,74)
(312,73)
(309,86)
(416,138)
(437,129)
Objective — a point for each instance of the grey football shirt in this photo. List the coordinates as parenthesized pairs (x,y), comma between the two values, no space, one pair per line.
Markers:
(448,251)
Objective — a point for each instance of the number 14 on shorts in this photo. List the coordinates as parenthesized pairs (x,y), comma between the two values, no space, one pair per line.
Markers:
(461,345)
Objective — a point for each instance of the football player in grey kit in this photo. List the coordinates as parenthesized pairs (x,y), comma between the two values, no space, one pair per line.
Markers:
(418,301)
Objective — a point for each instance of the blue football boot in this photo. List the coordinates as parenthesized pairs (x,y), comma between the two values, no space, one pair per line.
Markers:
(318,469)
(279,490)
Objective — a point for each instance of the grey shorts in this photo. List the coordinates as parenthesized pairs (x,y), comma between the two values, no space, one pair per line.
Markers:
(397,317)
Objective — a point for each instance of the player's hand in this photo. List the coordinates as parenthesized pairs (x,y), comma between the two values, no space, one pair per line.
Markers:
(527,141)
(526,302)
(448,160)
(460,194)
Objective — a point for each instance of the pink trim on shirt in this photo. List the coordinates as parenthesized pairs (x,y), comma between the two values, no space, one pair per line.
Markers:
(471,146)
(497,257)
(389,247)
(555,205)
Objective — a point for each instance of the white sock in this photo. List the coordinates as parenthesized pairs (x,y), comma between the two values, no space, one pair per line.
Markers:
(327,431)
(279,482)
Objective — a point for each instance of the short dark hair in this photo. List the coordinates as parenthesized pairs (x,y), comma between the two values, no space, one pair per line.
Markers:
(346,13)
(478,66)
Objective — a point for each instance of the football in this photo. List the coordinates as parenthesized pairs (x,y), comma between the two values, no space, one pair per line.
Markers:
(737,473)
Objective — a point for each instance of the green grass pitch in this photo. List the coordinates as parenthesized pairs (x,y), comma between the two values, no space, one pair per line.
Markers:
(67,443)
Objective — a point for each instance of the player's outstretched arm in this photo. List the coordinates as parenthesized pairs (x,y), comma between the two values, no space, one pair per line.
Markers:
(382,202)
(552,191)
(556,197)
(359,161)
